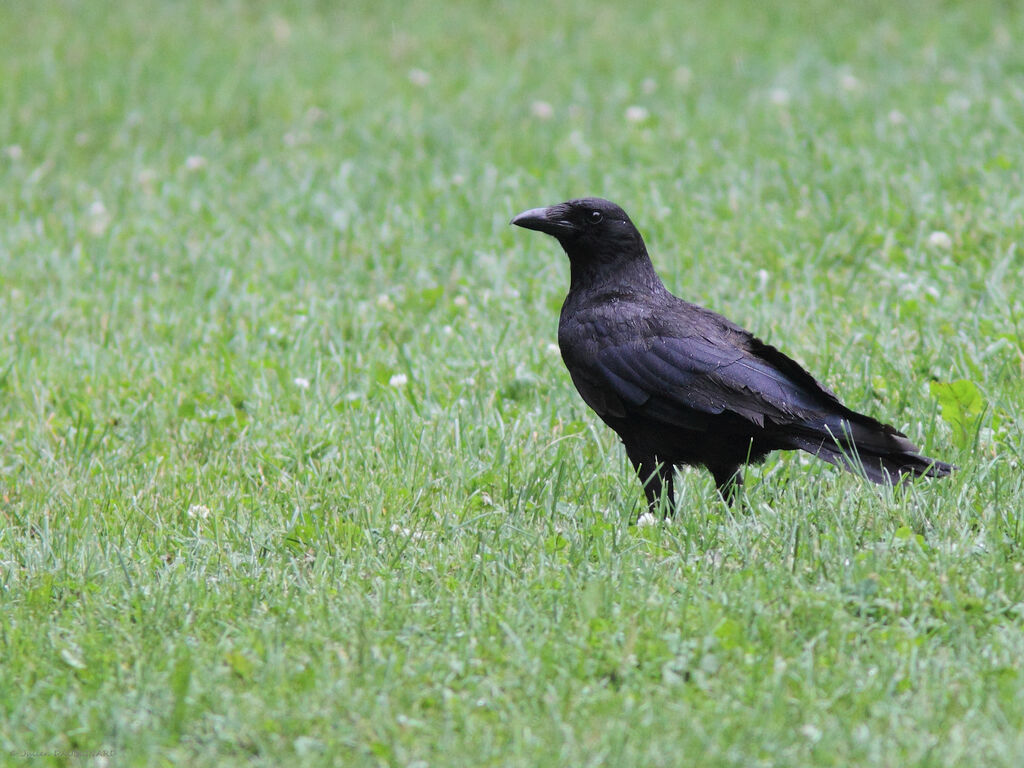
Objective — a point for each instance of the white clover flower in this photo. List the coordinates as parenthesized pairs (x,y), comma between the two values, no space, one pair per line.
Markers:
(849,82)
(636,114)
(398,380)
(408,532)
(896,117)
(300,382)
(940,240)
(460,301)
(419,77)
(199,512)
(195,163)
(645,520)
(811,732)
(542,110)
(99,219)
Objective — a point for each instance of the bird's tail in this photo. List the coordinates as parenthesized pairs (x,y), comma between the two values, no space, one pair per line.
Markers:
(868,447)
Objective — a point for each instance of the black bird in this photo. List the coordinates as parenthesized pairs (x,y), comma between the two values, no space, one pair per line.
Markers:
(682,385)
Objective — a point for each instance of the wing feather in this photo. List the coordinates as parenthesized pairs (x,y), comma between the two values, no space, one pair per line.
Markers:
(674,379)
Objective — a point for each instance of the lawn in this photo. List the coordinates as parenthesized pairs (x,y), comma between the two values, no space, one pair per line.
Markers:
(292,473)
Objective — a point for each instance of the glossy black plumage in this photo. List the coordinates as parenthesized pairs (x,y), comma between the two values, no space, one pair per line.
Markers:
(682,385)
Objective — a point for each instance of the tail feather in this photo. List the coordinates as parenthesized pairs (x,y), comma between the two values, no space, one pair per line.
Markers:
(870,448)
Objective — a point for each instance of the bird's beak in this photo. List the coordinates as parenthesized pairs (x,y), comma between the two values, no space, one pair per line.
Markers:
(546,220)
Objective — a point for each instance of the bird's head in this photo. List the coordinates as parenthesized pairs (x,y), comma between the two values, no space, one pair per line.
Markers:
(589,228)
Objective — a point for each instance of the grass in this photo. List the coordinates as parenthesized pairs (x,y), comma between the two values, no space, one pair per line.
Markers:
(290,472)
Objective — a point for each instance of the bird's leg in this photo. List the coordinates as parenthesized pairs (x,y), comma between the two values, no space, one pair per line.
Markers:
(658,480)
(729,481)
(668,479)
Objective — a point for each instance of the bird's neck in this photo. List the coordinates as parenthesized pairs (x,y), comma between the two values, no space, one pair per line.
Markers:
(596,275)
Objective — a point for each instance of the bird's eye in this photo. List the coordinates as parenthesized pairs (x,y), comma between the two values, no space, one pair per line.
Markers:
(595,217)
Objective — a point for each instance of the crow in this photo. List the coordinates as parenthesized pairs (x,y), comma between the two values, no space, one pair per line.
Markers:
(682,385)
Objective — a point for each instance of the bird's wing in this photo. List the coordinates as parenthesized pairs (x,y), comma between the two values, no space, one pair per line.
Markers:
(684,380)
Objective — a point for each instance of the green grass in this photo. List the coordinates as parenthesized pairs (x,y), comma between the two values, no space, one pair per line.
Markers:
(231,535)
